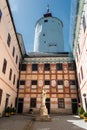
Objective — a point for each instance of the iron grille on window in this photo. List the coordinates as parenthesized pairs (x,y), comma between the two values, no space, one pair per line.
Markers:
(59,66)
(72,82)
(23,67)
(46,67)
(47,82)
(71,66)
(60,82)
(34,82)
(22,82)
(34,67)
(33,102)
(61,103)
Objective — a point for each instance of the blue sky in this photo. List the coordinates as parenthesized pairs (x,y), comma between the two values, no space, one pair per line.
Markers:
(27,12)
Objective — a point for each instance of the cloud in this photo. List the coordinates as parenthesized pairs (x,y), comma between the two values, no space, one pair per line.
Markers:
(13,5)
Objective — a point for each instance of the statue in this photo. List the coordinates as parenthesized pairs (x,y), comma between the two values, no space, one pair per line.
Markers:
(43,109)
(43,97)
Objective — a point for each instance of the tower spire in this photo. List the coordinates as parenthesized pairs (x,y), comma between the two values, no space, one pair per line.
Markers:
(48,14)
(48,8)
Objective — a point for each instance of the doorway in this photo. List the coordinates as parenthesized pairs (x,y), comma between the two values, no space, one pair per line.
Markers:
(74,106)
(48,104)
(20,105)
(7,100)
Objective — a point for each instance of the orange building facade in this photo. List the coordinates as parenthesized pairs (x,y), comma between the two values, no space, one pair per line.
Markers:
(57,75)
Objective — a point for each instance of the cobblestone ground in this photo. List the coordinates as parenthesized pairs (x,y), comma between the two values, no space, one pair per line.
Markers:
(21,122)
(59,123)
(16,122)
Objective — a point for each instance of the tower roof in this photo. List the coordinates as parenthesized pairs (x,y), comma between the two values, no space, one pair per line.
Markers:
(48,14)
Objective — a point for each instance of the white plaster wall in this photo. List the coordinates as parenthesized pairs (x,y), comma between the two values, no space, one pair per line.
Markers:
(6,85)
(53,39)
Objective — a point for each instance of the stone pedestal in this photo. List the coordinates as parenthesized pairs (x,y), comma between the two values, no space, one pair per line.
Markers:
(43,111)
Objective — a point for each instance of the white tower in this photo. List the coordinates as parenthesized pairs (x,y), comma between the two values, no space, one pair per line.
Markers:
(49,34)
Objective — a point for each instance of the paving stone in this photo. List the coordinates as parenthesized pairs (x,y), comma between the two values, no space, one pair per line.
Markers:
(21,122)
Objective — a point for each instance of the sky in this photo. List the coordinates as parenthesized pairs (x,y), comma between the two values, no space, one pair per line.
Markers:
(26,13)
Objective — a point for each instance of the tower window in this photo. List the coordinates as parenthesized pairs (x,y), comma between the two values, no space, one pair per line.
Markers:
(44,41)
(45,20)
(43,34)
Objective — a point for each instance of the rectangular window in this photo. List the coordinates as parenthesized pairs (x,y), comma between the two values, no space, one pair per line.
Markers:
(79,79)
(47,82)
(81,72)
(9,40)
(71,66)
(59,66)
(16,59)
(4,66)
(10,74)
(61,103)
(46,20)
(34,67)
(0,95)
(60,82)
(34,82)
(18,83)
(33,103)
(14,79)
(22,82)
(13,53)
(78,49)
(46,67)
(72,82)
(84,23)
(23,67)
(0,14)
